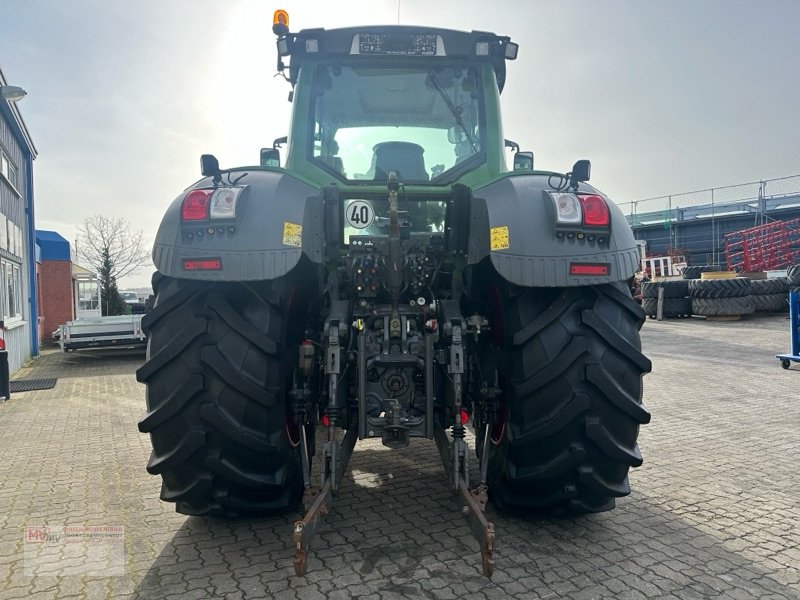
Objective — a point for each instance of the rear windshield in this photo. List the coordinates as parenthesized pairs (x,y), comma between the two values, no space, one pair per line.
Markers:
(421,123)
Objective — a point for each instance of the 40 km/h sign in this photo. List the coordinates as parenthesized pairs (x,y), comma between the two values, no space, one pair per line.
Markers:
(359,214)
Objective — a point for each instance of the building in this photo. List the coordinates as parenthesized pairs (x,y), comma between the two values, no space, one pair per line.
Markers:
(66,291)
(18,304)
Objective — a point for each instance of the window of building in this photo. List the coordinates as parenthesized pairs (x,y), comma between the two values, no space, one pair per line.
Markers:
(8,169)
(11,295)
(88,295)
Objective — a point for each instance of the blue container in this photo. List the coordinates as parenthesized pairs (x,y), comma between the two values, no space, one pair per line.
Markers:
(794,330)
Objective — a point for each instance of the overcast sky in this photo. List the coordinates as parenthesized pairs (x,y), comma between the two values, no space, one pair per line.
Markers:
(663,96)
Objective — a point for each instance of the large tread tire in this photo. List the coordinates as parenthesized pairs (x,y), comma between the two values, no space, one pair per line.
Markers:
(216,398)
(763,287)
(572,400)
(734,287)
(723,307)
(672,289)
(793,275)
(770,302)
(695,271)
(673,307)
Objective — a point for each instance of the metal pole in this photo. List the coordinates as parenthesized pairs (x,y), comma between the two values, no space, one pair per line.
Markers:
(713,236)
(5,378)
(669,216)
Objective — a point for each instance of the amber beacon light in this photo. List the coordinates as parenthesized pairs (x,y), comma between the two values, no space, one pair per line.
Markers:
(280,22)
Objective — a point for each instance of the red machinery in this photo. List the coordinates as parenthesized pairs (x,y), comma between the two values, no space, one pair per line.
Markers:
(770,246)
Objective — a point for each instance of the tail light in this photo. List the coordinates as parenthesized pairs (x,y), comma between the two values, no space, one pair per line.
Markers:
(195,205)
(589,210)
(219,203)
(595,210)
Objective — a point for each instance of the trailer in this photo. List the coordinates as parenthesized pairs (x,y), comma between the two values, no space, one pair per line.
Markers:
(121,331)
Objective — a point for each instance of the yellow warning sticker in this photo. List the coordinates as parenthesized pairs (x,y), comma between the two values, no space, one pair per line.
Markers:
(292,234)
(499,237)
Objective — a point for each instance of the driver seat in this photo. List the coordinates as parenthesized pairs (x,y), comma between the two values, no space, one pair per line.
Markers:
(404,158)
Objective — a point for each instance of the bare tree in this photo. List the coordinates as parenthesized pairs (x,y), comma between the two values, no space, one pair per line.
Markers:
(112,250)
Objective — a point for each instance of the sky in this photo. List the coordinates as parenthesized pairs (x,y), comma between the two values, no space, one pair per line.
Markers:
(663,96)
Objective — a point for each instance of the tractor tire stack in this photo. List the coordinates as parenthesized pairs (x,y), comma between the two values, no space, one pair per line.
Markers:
(676,300)
(770,295)
(694,272)
(793,277)
(721,297)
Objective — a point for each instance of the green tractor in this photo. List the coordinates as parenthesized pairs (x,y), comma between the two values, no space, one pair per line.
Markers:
(393,280)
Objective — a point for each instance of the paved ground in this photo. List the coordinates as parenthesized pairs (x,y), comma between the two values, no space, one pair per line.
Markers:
(715,510)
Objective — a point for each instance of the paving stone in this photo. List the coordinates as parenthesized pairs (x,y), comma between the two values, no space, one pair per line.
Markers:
(713,512)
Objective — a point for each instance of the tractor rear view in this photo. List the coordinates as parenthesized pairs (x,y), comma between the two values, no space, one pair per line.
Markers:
(393,280)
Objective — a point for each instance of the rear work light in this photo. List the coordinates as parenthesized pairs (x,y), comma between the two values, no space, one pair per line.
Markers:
(195,205)
(202,264)
(588,269)
(568,208)
(223,202)
(595,210)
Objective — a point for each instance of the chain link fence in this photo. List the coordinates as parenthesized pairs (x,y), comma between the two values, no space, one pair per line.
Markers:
(718,201)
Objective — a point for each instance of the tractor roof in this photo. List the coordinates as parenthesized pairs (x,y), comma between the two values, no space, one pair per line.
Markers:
(393,41)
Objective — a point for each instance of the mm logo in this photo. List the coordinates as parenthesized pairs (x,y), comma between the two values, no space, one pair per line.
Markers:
(40,535)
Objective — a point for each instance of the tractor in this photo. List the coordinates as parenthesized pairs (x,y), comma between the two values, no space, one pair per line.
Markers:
(392,277)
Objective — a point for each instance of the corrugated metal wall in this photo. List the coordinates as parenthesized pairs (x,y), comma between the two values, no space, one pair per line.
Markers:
(12,205)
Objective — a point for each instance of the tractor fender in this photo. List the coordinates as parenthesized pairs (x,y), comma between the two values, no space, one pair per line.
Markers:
(265,240)
(524,246)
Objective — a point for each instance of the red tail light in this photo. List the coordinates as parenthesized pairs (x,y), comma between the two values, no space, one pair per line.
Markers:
(195,205)
(202,264)
(595,210)
(588,269)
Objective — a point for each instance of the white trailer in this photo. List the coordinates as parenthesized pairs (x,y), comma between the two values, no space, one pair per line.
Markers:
(121,331)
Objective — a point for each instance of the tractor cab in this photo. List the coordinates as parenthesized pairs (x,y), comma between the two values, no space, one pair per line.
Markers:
(420,102)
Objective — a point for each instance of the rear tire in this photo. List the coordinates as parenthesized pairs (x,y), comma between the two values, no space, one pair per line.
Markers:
(764,287)
(678,288)
(793,275)
(216,397)
(572,400)
(673,307)
(735,287)
(695,271)
(770,302)
(723,307)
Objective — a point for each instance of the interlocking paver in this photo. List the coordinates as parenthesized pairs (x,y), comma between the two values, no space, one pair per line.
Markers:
(714,511)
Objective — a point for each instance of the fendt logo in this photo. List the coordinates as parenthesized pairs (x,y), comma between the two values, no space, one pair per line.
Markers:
(40,535)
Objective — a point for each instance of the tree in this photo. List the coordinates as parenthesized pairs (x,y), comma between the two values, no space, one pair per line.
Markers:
(112,250)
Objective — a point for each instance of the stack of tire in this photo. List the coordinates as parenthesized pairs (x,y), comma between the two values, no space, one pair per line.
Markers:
(676,298)
(771,295)
(694,272)
(721,297)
